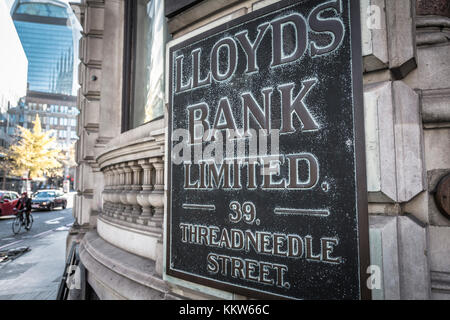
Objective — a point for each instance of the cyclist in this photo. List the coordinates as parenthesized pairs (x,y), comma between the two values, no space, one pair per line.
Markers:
(25,203)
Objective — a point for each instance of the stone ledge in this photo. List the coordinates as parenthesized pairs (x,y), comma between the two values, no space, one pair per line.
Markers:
(432,30)
(104,260)
(197,12)
(140,228)
(432,21)
(428,38)
(144,244)
(146,141)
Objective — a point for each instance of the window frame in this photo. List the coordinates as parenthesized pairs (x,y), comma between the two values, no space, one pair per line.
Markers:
(128,64)
(129,67)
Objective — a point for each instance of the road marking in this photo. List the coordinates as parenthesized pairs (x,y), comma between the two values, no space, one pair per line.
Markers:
(42,233)
(31,237)
(10,244)
(54,221)
(7,217)
(63,228)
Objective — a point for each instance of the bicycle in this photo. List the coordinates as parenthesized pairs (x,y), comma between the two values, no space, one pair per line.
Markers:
(20,220)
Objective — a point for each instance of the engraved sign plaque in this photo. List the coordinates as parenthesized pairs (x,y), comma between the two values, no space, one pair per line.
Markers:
(266,167)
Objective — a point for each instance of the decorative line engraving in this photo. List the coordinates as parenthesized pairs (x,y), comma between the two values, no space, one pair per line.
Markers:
(199,206)
(303,212)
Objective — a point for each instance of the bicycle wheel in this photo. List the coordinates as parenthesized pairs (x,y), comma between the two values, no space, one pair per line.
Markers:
(30,223)
(17,224)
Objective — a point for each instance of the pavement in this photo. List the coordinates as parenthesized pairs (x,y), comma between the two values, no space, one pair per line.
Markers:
(35,274)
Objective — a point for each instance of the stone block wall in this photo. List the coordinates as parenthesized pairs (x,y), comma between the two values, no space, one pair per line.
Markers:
(419,104)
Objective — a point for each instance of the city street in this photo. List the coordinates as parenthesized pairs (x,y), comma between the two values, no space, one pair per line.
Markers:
(44,222)
(35,274)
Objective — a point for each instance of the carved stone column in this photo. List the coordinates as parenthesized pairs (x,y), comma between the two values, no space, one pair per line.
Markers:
(126,189)
(143,196)
(135,188)
(111,190)
(157,196)
(115,193)
(119,190)
(158,217)
(107,191)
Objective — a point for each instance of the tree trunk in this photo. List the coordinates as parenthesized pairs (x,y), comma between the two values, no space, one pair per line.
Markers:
(4,179)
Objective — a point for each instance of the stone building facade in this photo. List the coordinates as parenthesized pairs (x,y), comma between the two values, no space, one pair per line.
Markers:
(57,113)
(120,201)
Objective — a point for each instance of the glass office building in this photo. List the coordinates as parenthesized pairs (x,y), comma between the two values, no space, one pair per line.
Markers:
(49,33)
(49,36)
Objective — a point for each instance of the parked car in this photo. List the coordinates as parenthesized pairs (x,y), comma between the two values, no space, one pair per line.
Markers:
(8,200)
(48,199)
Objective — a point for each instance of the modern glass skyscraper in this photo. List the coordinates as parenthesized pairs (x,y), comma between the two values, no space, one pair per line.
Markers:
(49,35)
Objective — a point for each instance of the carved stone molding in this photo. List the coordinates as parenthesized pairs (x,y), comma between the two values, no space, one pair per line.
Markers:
(432,30)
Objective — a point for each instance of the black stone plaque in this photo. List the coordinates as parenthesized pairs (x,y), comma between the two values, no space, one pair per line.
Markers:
(266,174)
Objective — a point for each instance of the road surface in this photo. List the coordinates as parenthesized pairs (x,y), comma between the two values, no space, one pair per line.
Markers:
(36,274)
(44,222)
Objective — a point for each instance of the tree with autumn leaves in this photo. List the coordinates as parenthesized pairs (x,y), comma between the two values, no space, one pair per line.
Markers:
(35,154)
